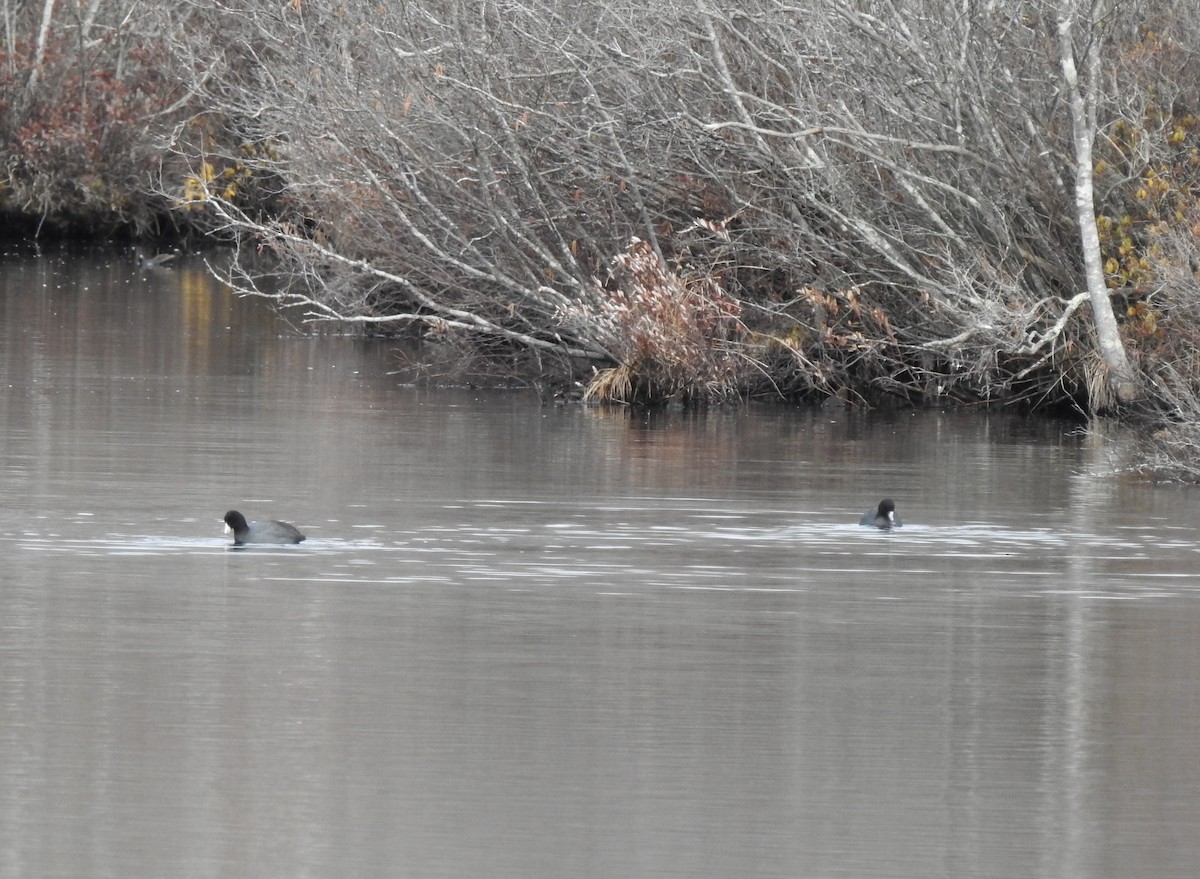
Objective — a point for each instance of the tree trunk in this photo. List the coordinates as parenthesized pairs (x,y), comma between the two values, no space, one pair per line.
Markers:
(40,51)
(1120,377)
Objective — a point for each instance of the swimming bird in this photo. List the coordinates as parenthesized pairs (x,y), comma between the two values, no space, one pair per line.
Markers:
(882,517)
(259,532)
(157,261)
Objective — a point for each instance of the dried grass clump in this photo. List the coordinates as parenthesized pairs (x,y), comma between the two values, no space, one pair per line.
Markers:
(673,339)
(1100,393)
(613,385)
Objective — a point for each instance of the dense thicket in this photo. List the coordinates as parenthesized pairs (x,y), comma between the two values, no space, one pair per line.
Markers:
(847,198)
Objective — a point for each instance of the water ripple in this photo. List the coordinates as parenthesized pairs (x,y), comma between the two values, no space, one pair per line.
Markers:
(702,552)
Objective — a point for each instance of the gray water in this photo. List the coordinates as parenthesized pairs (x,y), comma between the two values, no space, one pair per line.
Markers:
(540,641)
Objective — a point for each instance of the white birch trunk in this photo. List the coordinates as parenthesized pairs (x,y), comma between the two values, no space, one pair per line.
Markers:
(40,52)
(1082,105)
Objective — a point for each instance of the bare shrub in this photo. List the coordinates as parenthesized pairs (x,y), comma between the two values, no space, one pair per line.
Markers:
(455,157)
(80,154)
(842,199)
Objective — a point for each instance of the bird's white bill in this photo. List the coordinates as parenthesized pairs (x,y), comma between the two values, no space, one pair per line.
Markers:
(228,530)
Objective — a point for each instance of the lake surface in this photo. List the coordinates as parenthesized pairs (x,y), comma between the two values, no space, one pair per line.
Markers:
(551,641)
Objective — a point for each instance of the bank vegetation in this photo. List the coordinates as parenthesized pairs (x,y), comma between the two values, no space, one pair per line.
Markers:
(863,200)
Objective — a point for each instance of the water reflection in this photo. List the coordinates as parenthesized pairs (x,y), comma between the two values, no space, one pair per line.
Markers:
(526,640)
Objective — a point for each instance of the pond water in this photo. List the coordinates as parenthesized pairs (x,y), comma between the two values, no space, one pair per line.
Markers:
(546,641)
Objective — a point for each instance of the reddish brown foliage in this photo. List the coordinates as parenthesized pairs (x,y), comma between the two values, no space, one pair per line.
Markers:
(80,145)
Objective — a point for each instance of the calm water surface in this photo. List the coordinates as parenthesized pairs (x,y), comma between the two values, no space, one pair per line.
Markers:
(527,641)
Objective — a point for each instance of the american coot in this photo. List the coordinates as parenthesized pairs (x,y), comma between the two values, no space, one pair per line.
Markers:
(882,517)
(259,532)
